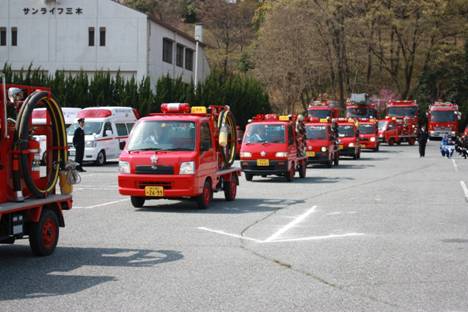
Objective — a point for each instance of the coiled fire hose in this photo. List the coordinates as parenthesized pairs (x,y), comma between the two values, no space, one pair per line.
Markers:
(227,136)
(59,142)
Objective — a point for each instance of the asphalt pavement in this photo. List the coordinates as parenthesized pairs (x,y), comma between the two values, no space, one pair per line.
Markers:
(388,232)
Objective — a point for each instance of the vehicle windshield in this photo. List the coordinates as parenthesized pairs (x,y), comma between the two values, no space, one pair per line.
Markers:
(360,112)
(366,128)
(346,131)
(265,133)
(90,128)
(382,125)
(322,113)
(316,132)
(402,111)
(442,116)
(159,135)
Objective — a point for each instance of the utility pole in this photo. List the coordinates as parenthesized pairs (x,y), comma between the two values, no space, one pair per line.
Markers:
(198,39)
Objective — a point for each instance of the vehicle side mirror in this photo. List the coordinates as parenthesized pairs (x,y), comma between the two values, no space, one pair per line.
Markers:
(108,133)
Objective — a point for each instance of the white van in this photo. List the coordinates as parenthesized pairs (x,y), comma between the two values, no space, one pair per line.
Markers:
(39,117)
(106,132)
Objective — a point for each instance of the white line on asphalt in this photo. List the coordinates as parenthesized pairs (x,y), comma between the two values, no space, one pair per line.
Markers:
(231,235)
(455,166)
(315,238)
(291,224)
(465,189)
(102,205)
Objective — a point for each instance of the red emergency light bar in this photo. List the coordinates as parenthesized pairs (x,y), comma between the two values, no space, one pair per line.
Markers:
(444,105)
(274,117)
(175,108)
(94,113)
(402,103)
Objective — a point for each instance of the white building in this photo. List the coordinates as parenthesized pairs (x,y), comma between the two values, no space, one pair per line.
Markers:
(94,35)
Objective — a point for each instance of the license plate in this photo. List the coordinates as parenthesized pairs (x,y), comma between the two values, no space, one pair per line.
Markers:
(340,146)
(310,154)
(363,145)
(154,191)
(263,162)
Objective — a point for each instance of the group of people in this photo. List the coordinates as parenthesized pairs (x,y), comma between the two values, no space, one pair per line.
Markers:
(448,144)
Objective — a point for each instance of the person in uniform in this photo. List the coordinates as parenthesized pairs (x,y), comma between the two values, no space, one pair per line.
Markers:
(79,144)
(422,140)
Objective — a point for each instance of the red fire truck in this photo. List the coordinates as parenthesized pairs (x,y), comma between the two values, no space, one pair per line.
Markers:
(274,145)
(29,205)
(442,119)
(406,115)
(322,144)
(182,152)
(389,131)
(359,106)
(326,109)
(348,138)
(369,134)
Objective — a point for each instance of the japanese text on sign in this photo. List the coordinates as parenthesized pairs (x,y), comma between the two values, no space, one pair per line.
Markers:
(52,11)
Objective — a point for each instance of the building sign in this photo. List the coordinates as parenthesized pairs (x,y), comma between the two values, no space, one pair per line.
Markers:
(52,11)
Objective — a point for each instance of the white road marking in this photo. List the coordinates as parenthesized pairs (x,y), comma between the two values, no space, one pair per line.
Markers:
(101,205)
(316,237)
(465,189)
(291,224)
(229,234)
(334,213)
(455,166)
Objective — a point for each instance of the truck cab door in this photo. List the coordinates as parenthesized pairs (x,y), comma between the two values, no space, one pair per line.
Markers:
(207,163)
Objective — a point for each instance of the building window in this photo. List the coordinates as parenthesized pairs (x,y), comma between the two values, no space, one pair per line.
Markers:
(14,36)
(167,50)
(91,36)
(180,55)
(102,36)
(189,59)
(3,36)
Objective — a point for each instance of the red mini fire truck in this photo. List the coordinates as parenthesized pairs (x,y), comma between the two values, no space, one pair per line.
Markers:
(322,143)
(442,119)
(406,115)
(359,106)
(182,152)
(326,109)
(369,134)
(274,145)
(348,138)
(29,204)
(389,131)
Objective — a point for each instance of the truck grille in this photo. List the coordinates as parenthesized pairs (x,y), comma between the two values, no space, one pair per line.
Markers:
(152,170)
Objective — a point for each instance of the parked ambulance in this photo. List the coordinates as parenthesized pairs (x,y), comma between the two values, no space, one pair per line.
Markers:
(40,118)
(106,132)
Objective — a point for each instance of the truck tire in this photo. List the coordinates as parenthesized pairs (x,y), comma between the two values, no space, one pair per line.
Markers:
(391,141)
(204,199)
(230,189)
(303,169)
(101,158)
(398,142)
(137,202)
(290,174)
(44,235)
(248,177)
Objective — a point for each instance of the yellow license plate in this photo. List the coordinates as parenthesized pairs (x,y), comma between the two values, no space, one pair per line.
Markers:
(363,145)
(310,154)
(340,146)
(263,162)
(154,191)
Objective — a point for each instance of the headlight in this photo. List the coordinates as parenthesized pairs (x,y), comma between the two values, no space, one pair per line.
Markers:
(124,167)
(453,132)
(324,149)
(351,145)
(187,167)
(90,143)
(372,139)
(245,154)
(281,154)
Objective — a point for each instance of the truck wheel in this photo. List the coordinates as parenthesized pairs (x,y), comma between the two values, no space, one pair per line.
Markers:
(248,177)
(230,189)
(101,158)
(204,199)
(398,142)
(391,141)
(290,174)
(137,202)
(303,170)
(44,235)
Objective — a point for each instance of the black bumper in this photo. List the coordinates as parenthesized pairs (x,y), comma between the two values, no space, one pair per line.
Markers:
(276,167)
(319,158)
(349,151)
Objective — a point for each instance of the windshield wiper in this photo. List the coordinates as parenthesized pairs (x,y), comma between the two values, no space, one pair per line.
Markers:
(175,149)
(145,149)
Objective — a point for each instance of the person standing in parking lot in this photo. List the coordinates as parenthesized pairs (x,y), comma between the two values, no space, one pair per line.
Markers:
(422,140)
(79,144)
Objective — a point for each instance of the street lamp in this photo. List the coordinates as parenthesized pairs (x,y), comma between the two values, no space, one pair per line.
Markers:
(198,39)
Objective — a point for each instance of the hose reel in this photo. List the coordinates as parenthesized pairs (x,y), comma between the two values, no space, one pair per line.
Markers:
(227,136)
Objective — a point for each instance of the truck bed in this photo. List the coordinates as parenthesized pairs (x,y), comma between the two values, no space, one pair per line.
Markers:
(9,207)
